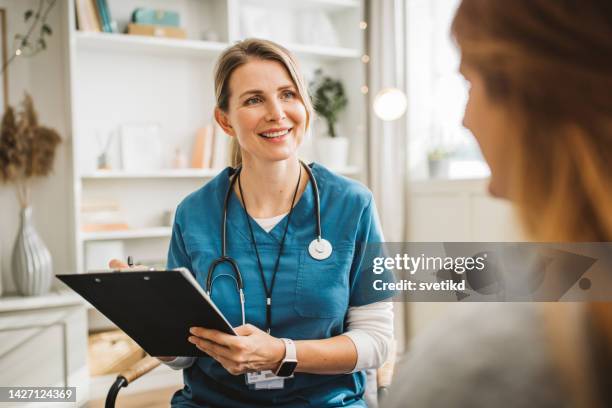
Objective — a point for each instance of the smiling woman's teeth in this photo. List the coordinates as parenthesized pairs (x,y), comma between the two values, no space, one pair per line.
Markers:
(272,135)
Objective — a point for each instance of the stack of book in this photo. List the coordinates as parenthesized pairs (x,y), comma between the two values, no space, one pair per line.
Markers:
(101,216)
(94,15)
(156,23)
(152,30)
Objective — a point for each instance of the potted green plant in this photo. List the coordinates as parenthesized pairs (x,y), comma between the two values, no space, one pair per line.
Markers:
(438,163)
(329,102)
(27,151)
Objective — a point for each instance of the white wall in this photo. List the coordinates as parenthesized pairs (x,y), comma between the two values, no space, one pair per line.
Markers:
(43,77)
(454,210)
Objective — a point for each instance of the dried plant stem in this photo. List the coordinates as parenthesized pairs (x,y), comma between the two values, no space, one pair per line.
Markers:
(26,192)
(40,16)
(27,150)
(21,196)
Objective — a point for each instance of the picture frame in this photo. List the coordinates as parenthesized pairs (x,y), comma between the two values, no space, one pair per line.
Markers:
(141,147)
(4,60)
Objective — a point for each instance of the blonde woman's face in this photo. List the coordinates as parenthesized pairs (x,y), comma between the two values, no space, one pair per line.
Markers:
(491,125)
(265,111)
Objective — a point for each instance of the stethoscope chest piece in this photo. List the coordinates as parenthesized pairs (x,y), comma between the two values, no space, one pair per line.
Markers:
(320,249)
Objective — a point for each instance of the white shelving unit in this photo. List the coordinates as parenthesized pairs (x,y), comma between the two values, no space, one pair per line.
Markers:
(325,5)
(43,344)
(106,42)
(170,173)
(117,79)
(153,232)
(326,53)
(182,173)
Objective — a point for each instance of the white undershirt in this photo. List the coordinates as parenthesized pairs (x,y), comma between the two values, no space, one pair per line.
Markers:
(370,327)
(267,224)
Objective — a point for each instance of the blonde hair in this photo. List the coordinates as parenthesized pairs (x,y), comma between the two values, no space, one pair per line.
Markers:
(243,52)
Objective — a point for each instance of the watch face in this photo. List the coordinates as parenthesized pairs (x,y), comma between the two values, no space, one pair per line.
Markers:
(287,369)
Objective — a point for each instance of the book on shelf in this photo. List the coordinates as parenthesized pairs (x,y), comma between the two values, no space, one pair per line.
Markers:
(156,31)
(104,227)
(104,20)
(87,16)
(94,16)
(97,15)
(201,155)
(102,217)
(107,23)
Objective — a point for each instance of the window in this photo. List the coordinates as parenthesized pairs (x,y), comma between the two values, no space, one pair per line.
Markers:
(440,147)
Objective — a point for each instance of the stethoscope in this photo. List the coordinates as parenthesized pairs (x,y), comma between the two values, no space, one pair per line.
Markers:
(319,248)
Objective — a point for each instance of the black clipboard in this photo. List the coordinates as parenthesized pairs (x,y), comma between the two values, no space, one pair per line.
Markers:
(155,308)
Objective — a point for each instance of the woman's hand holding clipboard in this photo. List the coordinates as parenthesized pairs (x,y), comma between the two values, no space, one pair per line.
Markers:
(253,350)
(156,308)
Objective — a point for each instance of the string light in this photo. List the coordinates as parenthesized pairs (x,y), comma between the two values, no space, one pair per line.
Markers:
(365,89)
(365,59)
(363,25)
(390,104)
(18,52)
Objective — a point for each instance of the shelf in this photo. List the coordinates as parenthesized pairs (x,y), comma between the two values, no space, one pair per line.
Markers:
(324,5)
(323,52)
(449,186)
(183,173)
(155,232)
(170,173)
(192,48)
(147,45)
(14,302)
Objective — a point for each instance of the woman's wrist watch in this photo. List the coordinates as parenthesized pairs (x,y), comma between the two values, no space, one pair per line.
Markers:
(289,363)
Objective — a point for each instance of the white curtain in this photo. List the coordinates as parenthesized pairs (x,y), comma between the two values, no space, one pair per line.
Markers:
(388,143)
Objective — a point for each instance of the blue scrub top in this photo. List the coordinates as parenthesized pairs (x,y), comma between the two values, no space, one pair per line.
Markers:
(310,298)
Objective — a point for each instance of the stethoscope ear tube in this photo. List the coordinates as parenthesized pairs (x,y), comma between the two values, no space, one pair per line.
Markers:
(225,204)
(235,270)
(315,187)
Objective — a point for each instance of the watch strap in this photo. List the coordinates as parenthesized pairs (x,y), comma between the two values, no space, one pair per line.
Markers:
(289,363)
(290,351)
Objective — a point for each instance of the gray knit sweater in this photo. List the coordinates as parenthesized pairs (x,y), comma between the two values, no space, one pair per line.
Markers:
(480,355)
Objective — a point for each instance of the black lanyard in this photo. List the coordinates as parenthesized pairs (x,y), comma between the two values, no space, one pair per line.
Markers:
(280,250)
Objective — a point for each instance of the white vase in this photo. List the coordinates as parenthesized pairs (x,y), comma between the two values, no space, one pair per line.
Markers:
(332,152)
(438,169)
(32,265)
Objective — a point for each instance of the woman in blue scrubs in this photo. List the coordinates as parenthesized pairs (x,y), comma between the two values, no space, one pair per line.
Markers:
(263,105)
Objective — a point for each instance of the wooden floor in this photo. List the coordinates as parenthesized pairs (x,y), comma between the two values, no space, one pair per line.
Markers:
(151,399)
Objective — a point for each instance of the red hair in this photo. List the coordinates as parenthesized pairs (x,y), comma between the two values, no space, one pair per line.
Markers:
(549,62)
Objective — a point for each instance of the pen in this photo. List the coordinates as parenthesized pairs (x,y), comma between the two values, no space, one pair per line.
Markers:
(130,261)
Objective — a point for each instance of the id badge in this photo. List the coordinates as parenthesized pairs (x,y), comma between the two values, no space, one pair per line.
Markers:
(260,376)
(275,384)
(264,380)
